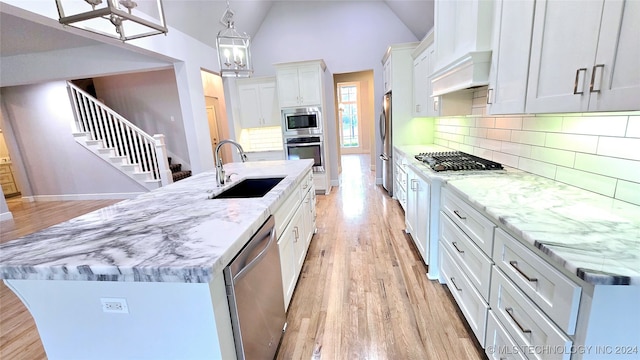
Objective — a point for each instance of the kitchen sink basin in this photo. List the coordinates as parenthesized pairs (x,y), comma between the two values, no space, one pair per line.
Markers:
(249,188)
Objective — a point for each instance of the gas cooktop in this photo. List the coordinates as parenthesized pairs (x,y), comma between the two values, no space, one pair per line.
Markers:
(457,161)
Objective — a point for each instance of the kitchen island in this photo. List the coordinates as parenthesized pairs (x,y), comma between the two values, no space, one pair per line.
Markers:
(162,252)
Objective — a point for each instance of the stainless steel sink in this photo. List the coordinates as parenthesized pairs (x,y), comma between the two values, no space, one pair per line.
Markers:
(249,188)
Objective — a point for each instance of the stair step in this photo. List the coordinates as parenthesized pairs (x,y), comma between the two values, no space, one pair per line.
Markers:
(179,175)
(175,167)
(118,159)
(143,175)
(107,151)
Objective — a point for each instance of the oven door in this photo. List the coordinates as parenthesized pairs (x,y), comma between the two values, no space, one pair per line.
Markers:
(306,148)
(302,121)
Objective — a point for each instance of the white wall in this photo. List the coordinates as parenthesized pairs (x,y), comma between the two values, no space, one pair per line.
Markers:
(150,101)
(55,164)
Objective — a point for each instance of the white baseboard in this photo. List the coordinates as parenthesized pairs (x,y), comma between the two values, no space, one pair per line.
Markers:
(71,197)
(6,216)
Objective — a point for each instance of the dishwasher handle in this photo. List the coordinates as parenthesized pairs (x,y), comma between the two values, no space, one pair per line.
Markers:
(255,250)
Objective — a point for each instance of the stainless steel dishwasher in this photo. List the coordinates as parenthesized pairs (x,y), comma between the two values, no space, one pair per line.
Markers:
(256,299)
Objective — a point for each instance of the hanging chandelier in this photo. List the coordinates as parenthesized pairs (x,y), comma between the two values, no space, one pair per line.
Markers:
(234,55)
(114,18)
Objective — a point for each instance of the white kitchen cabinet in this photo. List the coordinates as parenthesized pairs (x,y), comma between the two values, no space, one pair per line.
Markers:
(258,102)
(300,84)
(423,57)
(417,213)
(400,179)
(512,25)
(399,64)
(584,56)
(295,226)
(473,306)
(550,290)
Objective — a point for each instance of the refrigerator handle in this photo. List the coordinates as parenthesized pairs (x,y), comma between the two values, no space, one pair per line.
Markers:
(383,128)
(384,157)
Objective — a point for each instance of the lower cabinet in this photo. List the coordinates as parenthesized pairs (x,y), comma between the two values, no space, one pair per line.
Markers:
(400,179)
(516,303)
(417,211)
(295,220)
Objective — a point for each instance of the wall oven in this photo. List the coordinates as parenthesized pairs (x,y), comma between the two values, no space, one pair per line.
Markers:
(301,121)
(306,147)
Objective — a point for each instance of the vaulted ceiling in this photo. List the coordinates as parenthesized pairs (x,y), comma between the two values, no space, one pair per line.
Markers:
(197,18)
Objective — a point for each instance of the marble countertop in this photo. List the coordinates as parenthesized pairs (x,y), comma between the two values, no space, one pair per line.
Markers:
(172,234)
(595,237)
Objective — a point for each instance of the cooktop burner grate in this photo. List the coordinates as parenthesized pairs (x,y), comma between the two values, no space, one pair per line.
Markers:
(457,161)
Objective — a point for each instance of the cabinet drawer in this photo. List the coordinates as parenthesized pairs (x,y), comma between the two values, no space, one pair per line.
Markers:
(468,299)
(6,178)
(9,189)
(284,214)
(499,345)
(529,327)
(549,289)
(475,264)
(475,225)
(5,169)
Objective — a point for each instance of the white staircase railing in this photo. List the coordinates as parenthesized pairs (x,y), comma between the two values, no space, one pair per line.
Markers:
(117,133)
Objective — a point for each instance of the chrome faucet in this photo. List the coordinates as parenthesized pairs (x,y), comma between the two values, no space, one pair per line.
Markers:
(219,169)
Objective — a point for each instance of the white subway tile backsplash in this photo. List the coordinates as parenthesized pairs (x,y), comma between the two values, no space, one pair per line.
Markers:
(595,125)
(478,132)
(593,151)
(633,128)
(491,144)
(593,182)
(553,156)
(486,122)
(514,123)
(628,191)
(613,167)
(627,148)
(516,149)
(505,159)
(529,137)
(581,143)
(499,134)
(537,167)
(542,123)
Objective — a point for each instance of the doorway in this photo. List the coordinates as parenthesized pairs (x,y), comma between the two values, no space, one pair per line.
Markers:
(349,112)
(212,106)
(355,115)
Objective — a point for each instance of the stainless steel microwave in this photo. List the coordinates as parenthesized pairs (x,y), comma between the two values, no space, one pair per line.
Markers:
(302,121)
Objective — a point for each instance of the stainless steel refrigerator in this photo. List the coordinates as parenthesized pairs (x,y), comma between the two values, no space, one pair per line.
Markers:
(387,146)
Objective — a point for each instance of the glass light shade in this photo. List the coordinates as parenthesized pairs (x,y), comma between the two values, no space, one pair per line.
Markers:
(120,19)
(234,54)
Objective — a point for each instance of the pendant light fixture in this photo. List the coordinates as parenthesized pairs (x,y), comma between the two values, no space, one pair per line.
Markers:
(119,19)
(234,55)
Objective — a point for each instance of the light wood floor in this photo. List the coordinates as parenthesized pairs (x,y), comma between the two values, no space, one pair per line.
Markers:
(362,293)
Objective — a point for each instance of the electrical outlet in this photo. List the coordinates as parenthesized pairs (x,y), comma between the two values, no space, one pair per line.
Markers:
(114,305)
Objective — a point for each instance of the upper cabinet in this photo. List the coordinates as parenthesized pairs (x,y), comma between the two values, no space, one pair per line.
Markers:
(512,25)
(258,102)
(423,58)
(584,56)
(300,85)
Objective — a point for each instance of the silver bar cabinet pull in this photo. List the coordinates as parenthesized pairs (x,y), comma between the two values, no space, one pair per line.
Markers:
(509,311)
(593,78)
(514,264)
(575,86)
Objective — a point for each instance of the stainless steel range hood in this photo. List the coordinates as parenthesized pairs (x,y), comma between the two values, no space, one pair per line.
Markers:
(468,71)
